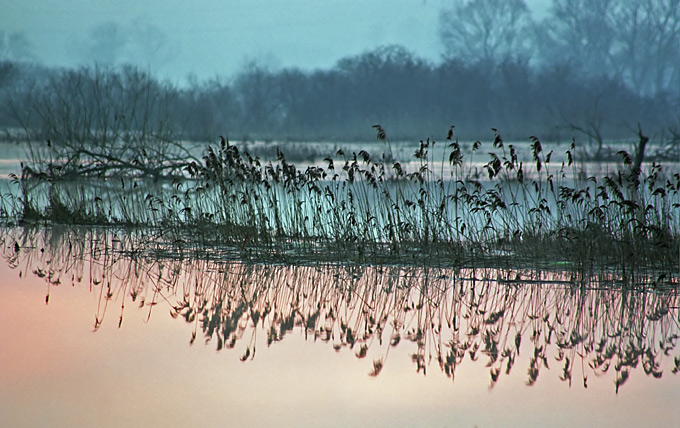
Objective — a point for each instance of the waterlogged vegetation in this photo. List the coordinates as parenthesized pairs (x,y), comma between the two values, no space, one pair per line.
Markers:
(469,203)
(515,256)
(453,265)
(581,330)
(501,261)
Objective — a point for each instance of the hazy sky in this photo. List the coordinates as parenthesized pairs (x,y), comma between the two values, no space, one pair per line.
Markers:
(217,37)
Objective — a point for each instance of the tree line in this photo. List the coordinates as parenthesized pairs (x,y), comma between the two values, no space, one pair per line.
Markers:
(635,41)
(590,68)
(407,95)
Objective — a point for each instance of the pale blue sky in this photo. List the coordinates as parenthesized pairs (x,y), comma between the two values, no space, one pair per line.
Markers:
(217,37)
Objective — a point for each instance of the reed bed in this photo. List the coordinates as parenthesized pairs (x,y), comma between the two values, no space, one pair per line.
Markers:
(583,327)
(463,206)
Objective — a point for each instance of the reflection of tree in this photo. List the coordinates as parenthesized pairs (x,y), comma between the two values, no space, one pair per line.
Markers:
(585,325)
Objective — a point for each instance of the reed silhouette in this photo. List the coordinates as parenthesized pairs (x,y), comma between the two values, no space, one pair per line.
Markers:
(444,203)
(590,327)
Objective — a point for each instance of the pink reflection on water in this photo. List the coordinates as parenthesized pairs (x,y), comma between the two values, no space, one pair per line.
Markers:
(57,371)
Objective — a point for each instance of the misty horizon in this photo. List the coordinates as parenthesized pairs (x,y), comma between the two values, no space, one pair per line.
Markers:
(182,43)
(599,69)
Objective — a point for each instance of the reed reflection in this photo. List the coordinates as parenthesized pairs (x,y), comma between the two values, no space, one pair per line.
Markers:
(580,325)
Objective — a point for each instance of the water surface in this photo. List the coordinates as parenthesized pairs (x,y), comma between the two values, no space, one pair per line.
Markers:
(96,333)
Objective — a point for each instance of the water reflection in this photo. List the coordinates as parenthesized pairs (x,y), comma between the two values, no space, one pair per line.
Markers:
(580,326)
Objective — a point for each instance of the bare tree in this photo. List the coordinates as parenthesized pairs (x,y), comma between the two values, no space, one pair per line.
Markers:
(637,41)
(100,122)
(581,33)
(486,30)
(646,52)
(259,99)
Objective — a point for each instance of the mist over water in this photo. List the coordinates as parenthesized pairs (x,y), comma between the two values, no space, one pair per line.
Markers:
(218,38)
(297,213)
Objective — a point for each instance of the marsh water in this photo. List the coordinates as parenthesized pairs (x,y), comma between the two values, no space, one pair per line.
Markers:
(97,333)
(108,326)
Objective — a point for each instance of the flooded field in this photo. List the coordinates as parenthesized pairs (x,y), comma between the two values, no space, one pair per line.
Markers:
(99,333)
(347,290)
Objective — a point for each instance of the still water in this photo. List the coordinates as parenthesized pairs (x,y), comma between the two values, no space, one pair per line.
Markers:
(99,329)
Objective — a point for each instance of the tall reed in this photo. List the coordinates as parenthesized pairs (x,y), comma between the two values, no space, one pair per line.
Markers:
(437,205)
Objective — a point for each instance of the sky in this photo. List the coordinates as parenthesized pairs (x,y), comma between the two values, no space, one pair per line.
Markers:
(209,38)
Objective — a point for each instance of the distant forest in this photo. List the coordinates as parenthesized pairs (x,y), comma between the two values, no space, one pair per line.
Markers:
(592,69)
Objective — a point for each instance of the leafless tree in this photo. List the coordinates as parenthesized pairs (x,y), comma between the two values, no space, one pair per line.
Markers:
(637,41)
(101,122)
(486,30)
(579,32)
(646,52)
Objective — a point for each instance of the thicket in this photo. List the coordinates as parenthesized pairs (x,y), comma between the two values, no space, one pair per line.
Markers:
(389,85)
